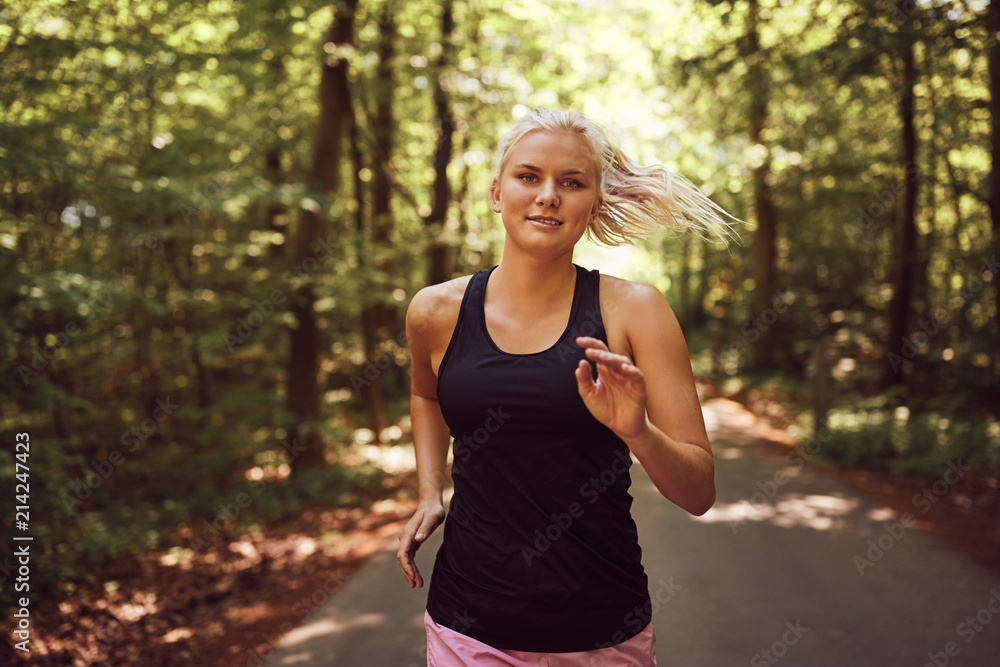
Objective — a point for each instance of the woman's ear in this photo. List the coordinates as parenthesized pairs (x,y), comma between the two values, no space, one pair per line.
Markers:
(597,208)
(495,195)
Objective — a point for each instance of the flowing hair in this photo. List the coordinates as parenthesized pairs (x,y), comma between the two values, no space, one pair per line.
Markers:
(638,200)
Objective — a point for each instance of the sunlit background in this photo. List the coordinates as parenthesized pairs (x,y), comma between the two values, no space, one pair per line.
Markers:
(230,204)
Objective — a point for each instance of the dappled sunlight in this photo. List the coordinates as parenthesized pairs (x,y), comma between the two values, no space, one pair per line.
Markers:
(814,511)
(394,459)
(728,453)
(819,512)
(881,514)
(728,420)
(329,626)
(733,513)
(177,634)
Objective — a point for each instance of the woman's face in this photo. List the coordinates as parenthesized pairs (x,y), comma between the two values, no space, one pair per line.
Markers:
(547,193)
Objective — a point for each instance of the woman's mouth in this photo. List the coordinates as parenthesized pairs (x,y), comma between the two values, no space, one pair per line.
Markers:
(551,222)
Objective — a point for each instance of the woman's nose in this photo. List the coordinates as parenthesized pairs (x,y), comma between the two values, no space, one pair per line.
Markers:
(548,195)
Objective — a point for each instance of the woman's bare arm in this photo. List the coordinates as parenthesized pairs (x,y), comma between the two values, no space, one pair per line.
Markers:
(430,320)
(651,402)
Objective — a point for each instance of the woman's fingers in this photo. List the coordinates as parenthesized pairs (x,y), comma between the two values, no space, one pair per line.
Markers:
(614,371)
(405,560)
(597,351)
(416,531)
(587,341)
(584,378)
(615,365)
(408,545)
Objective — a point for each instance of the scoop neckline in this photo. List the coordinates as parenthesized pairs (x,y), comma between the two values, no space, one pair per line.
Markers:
(569,324)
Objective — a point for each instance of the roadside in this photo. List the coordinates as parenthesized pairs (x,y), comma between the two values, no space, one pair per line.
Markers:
(965,514)
(218,608)
(230,606)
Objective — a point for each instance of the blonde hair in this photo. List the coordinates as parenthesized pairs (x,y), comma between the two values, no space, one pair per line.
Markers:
(638,200)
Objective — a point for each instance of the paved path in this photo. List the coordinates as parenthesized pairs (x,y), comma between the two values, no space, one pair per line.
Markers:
(807,572)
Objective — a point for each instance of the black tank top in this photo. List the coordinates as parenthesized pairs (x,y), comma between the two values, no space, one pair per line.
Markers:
(540,551)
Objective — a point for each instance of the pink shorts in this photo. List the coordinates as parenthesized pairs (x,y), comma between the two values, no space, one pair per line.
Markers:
(447,648)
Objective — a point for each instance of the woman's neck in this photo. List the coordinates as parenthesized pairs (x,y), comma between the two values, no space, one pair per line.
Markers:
(535,283)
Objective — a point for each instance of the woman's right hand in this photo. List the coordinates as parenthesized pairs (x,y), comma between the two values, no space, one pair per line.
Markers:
(424,521)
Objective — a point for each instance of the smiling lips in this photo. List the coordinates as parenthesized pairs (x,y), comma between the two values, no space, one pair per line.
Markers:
(546,220)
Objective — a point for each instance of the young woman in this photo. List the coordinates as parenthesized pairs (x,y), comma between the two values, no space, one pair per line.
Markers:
(550,378)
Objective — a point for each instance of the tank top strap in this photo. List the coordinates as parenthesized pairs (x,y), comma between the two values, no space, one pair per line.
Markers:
(468,329)
(586,319)
(475,298)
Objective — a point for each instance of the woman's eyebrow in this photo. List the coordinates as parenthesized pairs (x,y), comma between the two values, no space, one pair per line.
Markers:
(531,167)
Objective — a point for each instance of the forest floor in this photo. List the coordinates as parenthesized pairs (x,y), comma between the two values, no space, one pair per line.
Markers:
(231,605)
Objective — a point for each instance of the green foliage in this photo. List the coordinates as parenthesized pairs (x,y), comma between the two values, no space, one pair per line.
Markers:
(156,155)
(922,444)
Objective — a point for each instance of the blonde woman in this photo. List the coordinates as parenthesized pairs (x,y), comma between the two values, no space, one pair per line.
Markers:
(550,378)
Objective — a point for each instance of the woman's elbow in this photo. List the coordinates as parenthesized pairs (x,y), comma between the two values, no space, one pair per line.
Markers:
(703,504)
(701,496)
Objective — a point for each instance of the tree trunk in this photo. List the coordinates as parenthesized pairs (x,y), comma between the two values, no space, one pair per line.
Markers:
(765,236)
(906,232)
(304,388)
(376,316)
(272,209)
(440,252)
(820,390)
(993,24)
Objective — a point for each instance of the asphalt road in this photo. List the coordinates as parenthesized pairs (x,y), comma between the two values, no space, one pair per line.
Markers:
(789,568)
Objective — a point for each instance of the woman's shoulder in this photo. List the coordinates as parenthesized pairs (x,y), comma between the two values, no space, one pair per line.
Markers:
(437,305)
(630,294)
(637,316)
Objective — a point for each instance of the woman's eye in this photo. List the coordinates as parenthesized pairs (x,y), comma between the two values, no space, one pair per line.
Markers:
(572,184)
(528,178)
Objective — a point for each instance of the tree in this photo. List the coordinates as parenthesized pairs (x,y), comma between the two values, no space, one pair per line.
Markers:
(993,25)
(904,251)
(378,312)
(766,214)
(440,252)
(304,374)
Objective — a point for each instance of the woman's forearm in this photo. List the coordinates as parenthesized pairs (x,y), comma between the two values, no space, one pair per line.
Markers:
(683,473)
(430,443)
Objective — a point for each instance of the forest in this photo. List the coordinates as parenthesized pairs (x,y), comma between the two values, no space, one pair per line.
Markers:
(214,214)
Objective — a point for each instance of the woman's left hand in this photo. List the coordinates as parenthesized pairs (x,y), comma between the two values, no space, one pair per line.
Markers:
(618,398)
